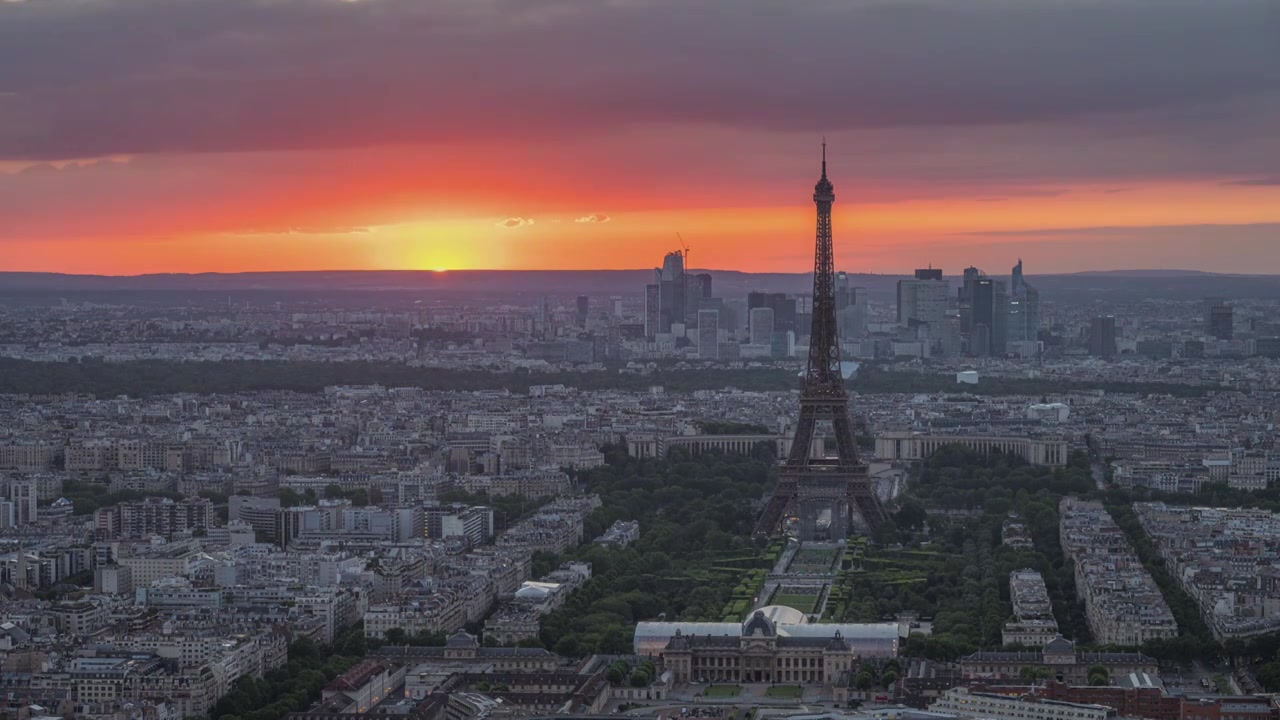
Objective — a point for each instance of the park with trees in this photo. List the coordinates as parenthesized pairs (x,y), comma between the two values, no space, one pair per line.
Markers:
(694,550)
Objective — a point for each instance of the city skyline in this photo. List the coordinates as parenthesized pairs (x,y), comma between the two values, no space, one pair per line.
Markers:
(243,142)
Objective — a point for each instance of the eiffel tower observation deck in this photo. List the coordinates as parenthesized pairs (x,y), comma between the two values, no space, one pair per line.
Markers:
(831,496)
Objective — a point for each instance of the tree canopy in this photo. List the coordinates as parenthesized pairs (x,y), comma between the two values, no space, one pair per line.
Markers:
(693,513)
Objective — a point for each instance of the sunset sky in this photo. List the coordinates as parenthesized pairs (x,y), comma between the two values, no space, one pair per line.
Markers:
(141,136)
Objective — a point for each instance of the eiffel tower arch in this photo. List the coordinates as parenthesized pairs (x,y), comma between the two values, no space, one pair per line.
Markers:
(831,496)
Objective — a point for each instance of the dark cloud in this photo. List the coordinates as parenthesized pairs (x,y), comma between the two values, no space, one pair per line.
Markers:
(1264,230)
(1249,248)
(85,78)
(1255,182)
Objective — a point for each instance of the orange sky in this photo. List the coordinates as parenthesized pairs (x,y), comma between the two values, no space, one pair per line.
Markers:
(232,135)
(316,226)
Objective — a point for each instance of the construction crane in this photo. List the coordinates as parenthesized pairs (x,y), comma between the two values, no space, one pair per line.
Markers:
(684,277)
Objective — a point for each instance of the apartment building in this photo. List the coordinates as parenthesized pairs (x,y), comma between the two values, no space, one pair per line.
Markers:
(1033,624)
(1122,603)
(990,706)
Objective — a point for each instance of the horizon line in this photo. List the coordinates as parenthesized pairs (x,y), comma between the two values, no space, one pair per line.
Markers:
(447,271)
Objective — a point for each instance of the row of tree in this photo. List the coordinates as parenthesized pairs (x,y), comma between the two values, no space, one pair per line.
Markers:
(297,685)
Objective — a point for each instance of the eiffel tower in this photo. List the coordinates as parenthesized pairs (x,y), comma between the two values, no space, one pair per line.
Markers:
(811,485)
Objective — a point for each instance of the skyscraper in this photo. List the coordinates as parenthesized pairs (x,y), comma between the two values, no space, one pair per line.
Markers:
(736,317)
(1102,336)
(709,334)
(667,297)
(923,300)
(582,307)
(852,320)
(673,290)
(1024,309)
(652,316)
(761,326)
(1208,305)
(922,308)
(728,317)
(967,290)
(989,335)
(1222,322)
(703,281)
(697,288)
(672,266)
(844,298)
(544,317)
(1219,318)
(784,308)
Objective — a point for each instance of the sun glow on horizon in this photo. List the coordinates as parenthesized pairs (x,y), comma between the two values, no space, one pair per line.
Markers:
(880,235)
(436,246)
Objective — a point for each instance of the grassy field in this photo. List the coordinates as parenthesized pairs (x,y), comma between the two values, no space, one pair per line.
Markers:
(722,691)
(791,692)
(803,603)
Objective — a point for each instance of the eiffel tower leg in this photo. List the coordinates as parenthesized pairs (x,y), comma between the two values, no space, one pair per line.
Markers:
(802,443)
(846,447)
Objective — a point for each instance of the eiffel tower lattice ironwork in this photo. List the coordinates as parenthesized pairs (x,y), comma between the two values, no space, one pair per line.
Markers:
(811,485)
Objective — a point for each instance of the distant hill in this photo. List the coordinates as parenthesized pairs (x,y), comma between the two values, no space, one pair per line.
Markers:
(1085,286)
(1160,273)
(558,282)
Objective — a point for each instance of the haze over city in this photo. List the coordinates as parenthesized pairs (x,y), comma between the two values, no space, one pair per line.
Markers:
(240,135)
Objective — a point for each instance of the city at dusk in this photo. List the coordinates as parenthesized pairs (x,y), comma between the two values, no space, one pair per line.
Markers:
(639,360)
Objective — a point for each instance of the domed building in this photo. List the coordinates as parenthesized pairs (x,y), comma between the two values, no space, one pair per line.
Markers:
(774,644)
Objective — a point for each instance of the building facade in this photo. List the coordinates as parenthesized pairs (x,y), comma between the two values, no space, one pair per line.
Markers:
(775,644)
(1059,659)
(909,445)
(961,701)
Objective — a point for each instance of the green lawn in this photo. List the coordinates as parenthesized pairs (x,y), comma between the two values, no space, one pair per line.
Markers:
(722,691)
(803,603)
(792,692)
